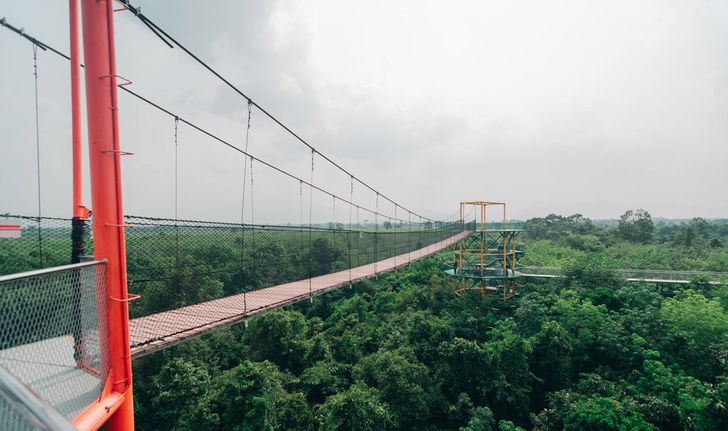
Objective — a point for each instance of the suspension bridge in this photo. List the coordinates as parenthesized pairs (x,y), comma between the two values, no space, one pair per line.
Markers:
(81,296)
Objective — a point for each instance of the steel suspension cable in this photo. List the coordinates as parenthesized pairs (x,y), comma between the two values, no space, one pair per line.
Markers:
(205,132)
(169,40)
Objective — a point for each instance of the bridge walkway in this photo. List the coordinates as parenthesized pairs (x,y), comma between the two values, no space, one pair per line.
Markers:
(157,331)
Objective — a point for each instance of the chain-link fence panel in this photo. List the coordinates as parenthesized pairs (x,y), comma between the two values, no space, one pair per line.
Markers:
(52,333)
(38,242)
(22,410)
(12,418)
(174,263)
(195,275)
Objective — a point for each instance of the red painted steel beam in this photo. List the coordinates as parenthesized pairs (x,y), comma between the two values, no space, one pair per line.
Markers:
(79,211)
(106,196)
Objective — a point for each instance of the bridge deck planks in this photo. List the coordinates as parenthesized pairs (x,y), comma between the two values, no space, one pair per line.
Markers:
(151,333)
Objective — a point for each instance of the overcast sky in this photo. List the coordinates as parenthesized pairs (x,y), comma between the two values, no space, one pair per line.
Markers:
(552,106)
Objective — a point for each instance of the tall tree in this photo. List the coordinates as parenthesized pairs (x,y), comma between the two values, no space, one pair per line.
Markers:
(636,226)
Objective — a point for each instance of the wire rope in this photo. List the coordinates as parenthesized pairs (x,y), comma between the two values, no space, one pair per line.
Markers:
(194,126)
(242,210)
(37,153)
(376,233)
(310,233)
(169,41)
(176,197)
(348,234)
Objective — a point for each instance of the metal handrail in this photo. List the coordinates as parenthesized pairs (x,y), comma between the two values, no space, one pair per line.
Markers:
(30,405)
(51,270)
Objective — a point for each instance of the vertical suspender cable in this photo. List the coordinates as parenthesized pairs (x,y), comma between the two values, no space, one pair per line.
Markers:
(358,238)
(409,236)
(310,234)
(348,234)
(252,224)
(421,228)
(252,205)
(242,212)
(376,231)
(37,152)
(300,224)
(176,201)
(396,245)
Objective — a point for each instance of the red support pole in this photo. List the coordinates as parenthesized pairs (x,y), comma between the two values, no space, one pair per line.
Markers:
(79,211)
(106,196)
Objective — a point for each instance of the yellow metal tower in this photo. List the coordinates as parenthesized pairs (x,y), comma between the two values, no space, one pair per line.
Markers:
(486,259)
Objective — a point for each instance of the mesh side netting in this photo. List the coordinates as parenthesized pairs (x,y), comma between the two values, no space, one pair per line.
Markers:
(43,243)
(193,274)
(173,265)
(49,334)
(23,410)
(12,418)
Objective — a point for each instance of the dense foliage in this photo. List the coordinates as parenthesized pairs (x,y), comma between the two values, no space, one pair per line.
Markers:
(636,241)
(588,351)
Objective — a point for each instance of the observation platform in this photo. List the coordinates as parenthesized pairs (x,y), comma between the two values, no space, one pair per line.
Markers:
(487,275)
(48,368)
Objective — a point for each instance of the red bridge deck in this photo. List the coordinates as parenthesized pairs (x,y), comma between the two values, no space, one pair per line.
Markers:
(157,331)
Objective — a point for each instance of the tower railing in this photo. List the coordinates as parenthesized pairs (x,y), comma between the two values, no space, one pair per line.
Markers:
(53,338)
(23,410)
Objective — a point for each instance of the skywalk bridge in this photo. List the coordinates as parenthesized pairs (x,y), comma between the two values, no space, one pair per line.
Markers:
(136,285)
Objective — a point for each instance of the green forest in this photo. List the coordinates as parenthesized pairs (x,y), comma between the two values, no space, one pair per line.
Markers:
(585,351)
